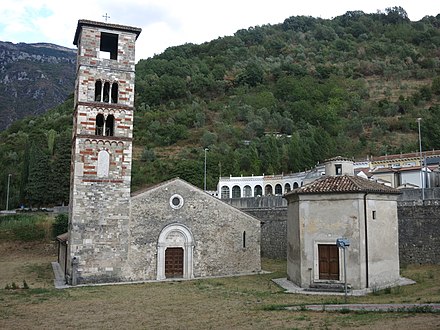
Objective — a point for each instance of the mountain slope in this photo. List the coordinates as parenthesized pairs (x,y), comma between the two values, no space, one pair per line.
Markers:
(33,79)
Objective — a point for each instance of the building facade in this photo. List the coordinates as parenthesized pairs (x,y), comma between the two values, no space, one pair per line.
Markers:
(173,230)
(336,206)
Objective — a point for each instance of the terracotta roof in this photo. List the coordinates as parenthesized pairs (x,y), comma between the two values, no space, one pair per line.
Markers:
(343,184)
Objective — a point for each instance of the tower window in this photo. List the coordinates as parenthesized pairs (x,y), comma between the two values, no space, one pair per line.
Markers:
(114,93)
(109,125)
(109,44)
(98,90)
(105,126)
(106,92)
(99,128)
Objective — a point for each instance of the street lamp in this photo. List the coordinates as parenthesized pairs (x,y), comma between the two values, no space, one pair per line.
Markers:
(204,181)
(422,176)
(7,191)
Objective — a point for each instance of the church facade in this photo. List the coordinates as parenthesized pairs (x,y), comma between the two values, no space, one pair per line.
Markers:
(173,230)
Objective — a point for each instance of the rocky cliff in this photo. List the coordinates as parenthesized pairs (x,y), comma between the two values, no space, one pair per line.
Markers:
(33,79)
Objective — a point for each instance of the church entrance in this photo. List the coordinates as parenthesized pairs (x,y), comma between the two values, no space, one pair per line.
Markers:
(328,262)
(174,262)
(175,252)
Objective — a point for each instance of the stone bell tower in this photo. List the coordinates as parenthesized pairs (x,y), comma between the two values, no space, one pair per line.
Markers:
(101,152)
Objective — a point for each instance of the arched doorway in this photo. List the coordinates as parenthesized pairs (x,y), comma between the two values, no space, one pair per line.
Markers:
(175,252)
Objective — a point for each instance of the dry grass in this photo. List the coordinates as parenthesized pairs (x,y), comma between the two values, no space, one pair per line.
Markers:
(248,302)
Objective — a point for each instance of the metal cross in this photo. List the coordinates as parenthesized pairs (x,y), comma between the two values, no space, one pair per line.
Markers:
(106,17)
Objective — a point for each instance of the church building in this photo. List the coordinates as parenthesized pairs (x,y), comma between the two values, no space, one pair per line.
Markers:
(172,230)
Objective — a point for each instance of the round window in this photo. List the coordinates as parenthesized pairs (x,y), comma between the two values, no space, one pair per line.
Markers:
(176,201)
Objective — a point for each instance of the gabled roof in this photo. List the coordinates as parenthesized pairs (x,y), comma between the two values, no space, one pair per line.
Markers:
(343,184)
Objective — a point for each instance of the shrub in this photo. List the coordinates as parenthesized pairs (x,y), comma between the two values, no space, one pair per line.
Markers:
(60,225)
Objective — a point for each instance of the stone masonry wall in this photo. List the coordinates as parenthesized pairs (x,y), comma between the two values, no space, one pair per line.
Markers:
(419,225)
(419,234)
(273,231)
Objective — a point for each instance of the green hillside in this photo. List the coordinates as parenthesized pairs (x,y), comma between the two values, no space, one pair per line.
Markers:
(269,99)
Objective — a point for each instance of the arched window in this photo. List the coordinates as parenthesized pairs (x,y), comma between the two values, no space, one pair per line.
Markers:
(114,93)
(268,190)
(103,163)
(287,187)
(106,92)
(236,192)
(247,191)
(258,191)
(295,185)
(224,193)
(109,125)
(99,127)
(98,90)
(278,189)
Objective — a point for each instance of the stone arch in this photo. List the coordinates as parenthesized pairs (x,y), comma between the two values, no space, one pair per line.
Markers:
(175,236)
(278,189)
(268,190)
(236,192)
(247,191)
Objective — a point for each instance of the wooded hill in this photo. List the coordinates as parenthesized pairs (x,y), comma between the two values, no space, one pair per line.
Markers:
(269,99)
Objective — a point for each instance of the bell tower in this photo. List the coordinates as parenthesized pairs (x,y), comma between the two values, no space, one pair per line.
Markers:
(101,152)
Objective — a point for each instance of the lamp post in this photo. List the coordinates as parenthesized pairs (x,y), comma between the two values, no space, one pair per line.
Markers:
(343,243)
(422,176)
(204,179)
(7,191)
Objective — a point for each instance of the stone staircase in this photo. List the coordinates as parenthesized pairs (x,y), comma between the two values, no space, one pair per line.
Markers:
(328,287)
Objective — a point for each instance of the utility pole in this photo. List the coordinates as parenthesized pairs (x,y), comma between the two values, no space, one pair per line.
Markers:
(204,181)
(7,192)
(422,176)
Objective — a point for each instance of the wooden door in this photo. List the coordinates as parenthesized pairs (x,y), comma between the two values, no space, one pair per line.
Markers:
(328,262)
(174,262)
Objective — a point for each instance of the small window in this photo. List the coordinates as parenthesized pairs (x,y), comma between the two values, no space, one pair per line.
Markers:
(373,214)
(287,187)
(295,185)
(278,190)
(106,92)
(109,44)
(98,90)
(224,192)
(236,192)
(109,125)
(247,190)
(114,93)
(244,240)
(338,169)
(268,190)
(99,127)
(176,201)
(258,191)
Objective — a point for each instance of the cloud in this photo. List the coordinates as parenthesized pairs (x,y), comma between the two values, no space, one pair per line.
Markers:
(168,23)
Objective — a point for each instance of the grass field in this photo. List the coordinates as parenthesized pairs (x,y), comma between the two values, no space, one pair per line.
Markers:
(246,302)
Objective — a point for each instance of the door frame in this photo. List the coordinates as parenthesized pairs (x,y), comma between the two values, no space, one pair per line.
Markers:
(186,242)
(316,262)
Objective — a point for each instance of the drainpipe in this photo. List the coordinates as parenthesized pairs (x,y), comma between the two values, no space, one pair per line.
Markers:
(366,239)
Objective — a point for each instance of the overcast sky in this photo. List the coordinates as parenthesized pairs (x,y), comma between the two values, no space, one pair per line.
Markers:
(168,23)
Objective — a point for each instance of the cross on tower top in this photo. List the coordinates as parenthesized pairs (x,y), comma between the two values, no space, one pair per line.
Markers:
(106,17)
